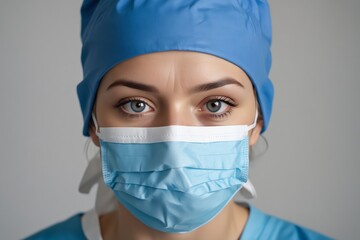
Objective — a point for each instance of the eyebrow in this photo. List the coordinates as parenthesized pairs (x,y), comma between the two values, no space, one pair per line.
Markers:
(132,84)
(199,88)
(216,84)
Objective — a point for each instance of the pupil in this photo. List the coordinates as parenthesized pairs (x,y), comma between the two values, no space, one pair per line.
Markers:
(213,106)
(137,106)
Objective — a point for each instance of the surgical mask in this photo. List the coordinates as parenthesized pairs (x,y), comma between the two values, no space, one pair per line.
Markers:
(175,178)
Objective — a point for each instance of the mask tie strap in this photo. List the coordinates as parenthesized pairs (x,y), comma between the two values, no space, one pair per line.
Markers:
(95,124)
(248,190)
(92,174)
(255,121)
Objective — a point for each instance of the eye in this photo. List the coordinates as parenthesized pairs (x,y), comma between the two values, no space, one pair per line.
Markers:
(216,105)
(134,106)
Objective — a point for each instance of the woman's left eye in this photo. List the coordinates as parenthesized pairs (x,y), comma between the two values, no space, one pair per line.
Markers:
(216,106)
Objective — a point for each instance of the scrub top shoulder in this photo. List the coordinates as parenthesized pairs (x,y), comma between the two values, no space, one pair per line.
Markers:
(69,229)
(259,226)
(263,226)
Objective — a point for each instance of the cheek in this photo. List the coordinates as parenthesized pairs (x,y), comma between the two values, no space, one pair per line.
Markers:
(244,113)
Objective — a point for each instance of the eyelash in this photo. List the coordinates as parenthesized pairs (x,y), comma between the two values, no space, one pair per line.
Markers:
(220,116)
(122,102)
(225,100)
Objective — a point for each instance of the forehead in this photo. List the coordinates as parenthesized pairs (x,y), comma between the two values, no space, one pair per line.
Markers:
(187,67)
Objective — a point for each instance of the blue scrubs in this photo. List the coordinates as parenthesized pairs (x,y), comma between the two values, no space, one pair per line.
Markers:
(259,226)
(70,229)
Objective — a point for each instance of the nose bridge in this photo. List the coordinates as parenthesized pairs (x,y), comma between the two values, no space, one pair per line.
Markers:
(177,111)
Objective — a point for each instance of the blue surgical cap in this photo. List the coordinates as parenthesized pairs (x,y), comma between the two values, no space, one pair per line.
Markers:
(113,31)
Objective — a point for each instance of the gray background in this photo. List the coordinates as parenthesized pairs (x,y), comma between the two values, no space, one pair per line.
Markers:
(309,174)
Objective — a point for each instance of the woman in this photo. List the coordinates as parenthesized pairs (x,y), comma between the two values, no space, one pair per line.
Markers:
(174,94)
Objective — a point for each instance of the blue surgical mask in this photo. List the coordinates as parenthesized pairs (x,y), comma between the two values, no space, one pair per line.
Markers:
(175,178)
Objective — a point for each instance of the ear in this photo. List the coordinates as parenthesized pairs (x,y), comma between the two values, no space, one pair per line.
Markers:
(255,132)
(94,137)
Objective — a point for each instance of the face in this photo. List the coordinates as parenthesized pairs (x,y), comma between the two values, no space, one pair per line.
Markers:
(175,88)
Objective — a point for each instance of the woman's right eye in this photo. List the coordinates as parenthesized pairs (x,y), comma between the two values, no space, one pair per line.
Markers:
(135,106)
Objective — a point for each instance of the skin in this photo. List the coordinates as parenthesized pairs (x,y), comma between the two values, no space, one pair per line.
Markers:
(175,98)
